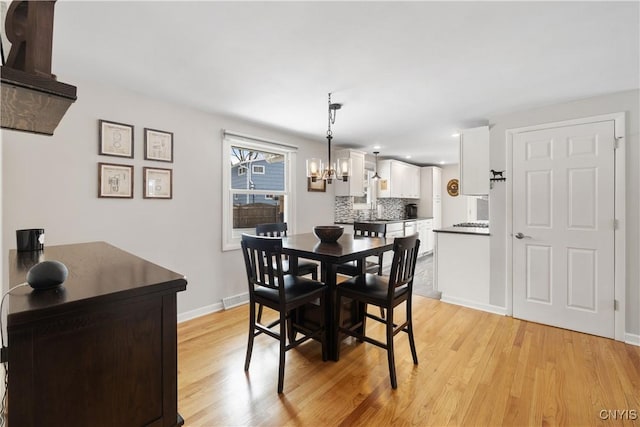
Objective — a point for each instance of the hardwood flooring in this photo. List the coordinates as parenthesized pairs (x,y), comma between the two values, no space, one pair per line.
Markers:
(475,368)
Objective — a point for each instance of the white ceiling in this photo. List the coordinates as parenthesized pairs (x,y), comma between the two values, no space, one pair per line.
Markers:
(409,74)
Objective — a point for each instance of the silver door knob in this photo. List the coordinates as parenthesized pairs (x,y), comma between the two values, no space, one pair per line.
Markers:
(520,236)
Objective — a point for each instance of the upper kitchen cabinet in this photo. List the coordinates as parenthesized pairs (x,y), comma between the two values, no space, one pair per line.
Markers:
(431,194)
(355,186)
(399,180)
(474,161)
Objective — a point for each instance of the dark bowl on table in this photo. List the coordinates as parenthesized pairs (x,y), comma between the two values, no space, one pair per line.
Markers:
(328,233)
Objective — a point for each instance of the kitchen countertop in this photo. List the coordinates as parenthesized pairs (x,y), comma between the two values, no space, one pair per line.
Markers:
(480,231)
(384,221)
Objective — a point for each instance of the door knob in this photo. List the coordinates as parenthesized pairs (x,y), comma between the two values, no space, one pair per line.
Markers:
(520,236)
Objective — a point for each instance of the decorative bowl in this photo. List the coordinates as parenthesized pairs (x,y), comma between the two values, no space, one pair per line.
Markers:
(328,233)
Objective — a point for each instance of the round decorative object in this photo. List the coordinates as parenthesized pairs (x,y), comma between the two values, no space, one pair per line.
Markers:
(47,274)
(328,233)
(452,187)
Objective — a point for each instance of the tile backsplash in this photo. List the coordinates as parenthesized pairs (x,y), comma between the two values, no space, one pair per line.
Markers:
(387,208)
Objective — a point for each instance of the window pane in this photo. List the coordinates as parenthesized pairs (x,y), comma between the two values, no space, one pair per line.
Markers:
(250,210)
(256,170)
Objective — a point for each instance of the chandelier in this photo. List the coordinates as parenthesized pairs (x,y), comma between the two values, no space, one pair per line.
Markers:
(317,169)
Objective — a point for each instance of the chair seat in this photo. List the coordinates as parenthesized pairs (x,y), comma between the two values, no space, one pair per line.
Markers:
(295,288)
(373,288)
(350,268)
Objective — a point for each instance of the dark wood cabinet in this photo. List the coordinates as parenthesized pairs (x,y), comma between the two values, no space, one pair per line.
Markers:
(101,350)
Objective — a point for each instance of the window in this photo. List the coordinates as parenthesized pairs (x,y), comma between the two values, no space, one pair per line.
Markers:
(260,194)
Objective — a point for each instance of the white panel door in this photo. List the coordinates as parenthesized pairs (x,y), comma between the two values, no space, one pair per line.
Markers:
(563,227)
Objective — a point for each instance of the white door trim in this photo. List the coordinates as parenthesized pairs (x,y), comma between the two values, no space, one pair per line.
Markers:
(620,206)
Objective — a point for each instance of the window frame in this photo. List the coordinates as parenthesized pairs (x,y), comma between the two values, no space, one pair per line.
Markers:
(254,169)
(231,238)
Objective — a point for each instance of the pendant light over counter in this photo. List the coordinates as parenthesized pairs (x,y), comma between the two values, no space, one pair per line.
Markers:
(375,176)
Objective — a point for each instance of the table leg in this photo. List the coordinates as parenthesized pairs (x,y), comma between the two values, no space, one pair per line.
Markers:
(329,273)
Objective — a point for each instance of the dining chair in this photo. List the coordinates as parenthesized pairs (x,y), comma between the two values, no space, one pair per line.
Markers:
(386,292)
(365,229)
(270,287)
(279,229)
(350,268)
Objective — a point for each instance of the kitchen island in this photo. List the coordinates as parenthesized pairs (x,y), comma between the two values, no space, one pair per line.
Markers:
(461,266)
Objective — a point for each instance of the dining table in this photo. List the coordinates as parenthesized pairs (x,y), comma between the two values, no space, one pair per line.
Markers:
(347,248)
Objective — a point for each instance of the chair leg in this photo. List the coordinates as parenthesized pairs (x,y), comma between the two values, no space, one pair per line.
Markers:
(314,274)
(390,356)
(382,312)
(338,320)
(283,346)
(252,324)
(323,325)
(412,343)
(260,313)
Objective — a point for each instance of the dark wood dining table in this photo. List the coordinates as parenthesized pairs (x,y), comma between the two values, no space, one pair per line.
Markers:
(347,248)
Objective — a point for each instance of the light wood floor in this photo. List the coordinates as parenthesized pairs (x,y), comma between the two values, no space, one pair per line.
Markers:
(475,368)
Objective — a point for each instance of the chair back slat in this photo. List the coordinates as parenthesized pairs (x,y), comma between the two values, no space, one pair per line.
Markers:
(276,229)
(263,261)
(369,229)
(403,266)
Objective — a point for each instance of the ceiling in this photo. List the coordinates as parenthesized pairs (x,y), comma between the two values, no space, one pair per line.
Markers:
(409,74)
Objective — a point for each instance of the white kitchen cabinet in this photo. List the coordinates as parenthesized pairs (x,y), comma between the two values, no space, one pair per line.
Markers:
(355,186)
(430,205)
(474,161)
(425,234)
(399,180)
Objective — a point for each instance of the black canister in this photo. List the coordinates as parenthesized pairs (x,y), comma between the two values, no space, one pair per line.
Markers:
(31,239)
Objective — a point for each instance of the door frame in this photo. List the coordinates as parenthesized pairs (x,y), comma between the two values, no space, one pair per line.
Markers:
(619,211)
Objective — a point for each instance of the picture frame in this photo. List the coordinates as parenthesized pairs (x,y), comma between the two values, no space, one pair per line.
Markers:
(320,185)
(158,145)
(115,139)
(115,181)
(157,183)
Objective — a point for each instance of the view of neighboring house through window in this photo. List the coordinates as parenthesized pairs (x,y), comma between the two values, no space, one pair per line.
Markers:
(257,180)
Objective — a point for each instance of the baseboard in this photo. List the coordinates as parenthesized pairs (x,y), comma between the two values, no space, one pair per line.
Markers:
(188,315)
(632,339)
(475,305)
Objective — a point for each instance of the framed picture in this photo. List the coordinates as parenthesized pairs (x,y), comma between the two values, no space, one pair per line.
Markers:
(158,145)
(116,139)
(115,181)
(158,183)
(319,185)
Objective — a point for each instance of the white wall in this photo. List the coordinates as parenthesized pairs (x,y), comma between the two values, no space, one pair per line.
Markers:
(628,102)
(454,209)
(51,182)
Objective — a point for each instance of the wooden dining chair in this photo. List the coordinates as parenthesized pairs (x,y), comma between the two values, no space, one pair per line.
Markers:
(365,229)
(279,229)
(270,287)
(350,268)
(386,292)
